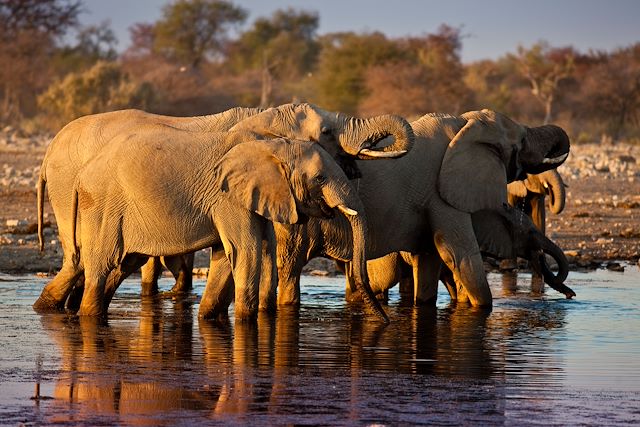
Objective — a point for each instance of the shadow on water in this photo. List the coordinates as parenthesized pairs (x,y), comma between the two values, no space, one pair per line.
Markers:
(156,363)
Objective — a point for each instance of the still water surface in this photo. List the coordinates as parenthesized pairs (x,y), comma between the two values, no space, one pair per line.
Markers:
(534,359)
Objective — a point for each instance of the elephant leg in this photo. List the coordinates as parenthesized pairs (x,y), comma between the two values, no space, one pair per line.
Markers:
(456,244)
(219,291)
(150,273)
(426,271)
(93,301)
(351,291)
(129,265)
(446,277)
(538,215)
(181,267)
(406,288)
(290,262)
(269,271)
(75,296)
(55,293)
(244,252)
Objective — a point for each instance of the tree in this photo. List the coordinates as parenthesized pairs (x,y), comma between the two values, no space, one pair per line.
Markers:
(192,30)
(545,68)
(611,89)
(28,31)
(283,47)
(345,57)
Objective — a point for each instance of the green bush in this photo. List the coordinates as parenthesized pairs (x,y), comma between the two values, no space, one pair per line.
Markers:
(103,87)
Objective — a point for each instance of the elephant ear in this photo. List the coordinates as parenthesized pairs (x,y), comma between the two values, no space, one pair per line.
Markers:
(493,234)
(517,188)
(473,174)
(253,177)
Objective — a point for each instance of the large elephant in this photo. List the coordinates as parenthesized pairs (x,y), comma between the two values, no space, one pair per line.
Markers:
(501,233)
(423,202)
(84,138)
(166,192)
(529,195)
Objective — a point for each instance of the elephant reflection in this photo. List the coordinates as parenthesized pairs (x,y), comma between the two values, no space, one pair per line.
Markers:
(105,369)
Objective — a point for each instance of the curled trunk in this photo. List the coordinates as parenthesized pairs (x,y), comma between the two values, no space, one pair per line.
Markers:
(539,263)
(555,191)
(545,147)
(360,136)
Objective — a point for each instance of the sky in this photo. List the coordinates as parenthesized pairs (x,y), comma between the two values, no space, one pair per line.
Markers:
(491,28)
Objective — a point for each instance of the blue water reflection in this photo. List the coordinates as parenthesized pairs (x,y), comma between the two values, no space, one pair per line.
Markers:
(535,358)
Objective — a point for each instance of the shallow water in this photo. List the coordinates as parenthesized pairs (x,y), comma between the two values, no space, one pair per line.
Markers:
(534,359)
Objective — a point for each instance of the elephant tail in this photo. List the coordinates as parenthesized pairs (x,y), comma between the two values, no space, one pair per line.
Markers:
(74,221)
(42,182)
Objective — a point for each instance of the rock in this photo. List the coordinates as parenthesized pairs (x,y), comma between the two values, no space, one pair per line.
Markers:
(615,266)
(321,273)
(200,272)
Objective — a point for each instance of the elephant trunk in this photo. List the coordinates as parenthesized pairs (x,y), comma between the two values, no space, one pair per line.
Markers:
(539,263)
(555,190)
(360,136)
(346,201)
(545,147)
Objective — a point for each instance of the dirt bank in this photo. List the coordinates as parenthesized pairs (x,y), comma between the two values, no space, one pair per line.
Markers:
(601,222)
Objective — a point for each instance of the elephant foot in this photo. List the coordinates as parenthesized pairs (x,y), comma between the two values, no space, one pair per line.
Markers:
(47,304)
(149,289)
(74,299)
(245,313)
(426,302)
(182,287)
(508,264)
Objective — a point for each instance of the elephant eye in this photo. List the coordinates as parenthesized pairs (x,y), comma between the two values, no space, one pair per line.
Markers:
(320,179)
(325,130)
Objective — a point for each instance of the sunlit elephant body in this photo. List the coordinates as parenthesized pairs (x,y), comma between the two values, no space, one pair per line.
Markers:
(501,233)
(81,140)
(194,193)
(424,201)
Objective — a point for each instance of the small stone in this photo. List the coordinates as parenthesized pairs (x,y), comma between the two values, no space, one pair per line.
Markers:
(615,266)
(321,273)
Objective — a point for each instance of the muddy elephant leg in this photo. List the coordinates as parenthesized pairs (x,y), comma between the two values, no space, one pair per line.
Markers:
(456,244)
(150,273)
(219,291)
(55,293)
(181,267)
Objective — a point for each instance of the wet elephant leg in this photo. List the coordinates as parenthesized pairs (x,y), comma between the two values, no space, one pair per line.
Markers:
(219,291)
(456,244)
(117,276)
(75,296)
(181,266)
(426,271)
(446,277)
(269,271)
(150,273)
(55,293)
(290,262)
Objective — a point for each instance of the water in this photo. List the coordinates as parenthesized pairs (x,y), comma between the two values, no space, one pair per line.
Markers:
(534,359)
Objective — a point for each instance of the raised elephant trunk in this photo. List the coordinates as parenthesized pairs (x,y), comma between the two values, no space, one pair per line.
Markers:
(351,207)
(545,147)
(554,187)
(360,136)
(539,264)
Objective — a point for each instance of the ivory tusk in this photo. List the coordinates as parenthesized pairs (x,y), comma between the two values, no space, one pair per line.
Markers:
(381,154)
(555,160)
(347,211)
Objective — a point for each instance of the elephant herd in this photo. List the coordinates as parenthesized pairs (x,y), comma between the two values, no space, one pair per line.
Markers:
(269,189)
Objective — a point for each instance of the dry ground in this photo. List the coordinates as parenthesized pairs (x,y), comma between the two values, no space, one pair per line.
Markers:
(601,222)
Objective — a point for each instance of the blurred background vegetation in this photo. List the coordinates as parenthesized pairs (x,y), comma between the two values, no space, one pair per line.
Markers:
(196,60)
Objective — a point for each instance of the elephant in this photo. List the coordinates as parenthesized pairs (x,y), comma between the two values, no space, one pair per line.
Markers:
(84,138)
(423,202)
(167,192)
(530,193)
(501,233)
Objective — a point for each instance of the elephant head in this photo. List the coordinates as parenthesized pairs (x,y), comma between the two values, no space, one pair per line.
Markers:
(341,136)
(491,150)
(285,181)
(509,233)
